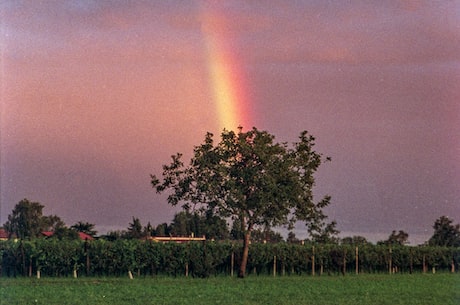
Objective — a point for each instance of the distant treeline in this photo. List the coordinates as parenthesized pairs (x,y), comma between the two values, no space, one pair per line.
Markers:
(64,258)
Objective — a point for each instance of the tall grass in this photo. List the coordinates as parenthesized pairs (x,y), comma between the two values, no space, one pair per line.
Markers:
(362,289)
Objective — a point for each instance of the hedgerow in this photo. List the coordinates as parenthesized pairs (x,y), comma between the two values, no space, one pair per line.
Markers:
(53,257)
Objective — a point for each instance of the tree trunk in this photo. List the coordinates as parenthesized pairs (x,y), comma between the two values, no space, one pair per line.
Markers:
(244,258)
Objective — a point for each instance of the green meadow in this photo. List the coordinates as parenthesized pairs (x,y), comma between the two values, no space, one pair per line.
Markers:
(441,288)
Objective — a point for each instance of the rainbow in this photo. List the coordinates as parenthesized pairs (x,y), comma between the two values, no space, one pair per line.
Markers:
(227,78)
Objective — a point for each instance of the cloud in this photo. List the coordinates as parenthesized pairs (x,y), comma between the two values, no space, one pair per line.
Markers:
(370,34)
(127,30)
(295,32)
(124,84)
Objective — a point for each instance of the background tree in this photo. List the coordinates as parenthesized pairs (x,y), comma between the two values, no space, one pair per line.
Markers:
(51,223)
(355,241)
(209,225)
(26,220)
(320,231)
(237,231)
(249,177)
(135,229)
(291,238)
(56,225)
(115,235)
(182,223)
(162,229)
(85,227)
(148,230)
(401,238)
(266,235)
(445,234)
(63,232)
(214,227)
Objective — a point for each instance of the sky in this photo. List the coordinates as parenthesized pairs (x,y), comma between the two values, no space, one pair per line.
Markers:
(97,95)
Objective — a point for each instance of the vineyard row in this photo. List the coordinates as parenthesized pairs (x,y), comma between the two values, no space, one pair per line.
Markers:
(52,257)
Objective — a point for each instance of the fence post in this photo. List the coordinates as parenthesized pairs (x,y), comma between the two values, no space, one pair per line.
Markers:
(232,263)
(356,260)
(321,265)
(283,268)
(274,266)
(411,262)
(87,257)
(23,259)
(390,263)
(313,262)
(424,264)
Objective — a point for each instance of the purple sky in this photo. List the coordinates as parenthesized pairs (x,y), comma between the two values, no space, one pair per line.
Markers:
(96,95)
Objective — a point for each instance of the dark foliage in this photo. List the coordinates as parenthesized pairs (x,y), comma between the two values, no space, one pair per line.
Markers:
(53,257)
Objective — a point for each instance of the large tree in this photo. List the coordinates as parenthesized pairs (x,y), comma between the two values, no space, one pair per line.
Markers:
(249,177)
(27,220)
(445,234)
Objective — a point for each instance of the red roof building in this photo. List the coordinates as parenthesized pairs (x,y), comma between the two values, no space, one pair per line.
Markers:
(84,236)
(3,234)
(81,235)
(47,233)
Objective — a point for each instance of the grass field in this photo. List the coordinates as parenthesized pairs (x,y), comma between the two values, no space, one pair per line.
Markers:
(363,289)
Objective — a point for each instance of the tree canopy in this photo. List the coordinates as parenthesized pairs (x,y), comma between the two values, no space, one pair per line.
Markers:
(400,238)
(186,223)
(445,233)
(135,229)
(249,177)
(24,220)
(85,227)
(27,221)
